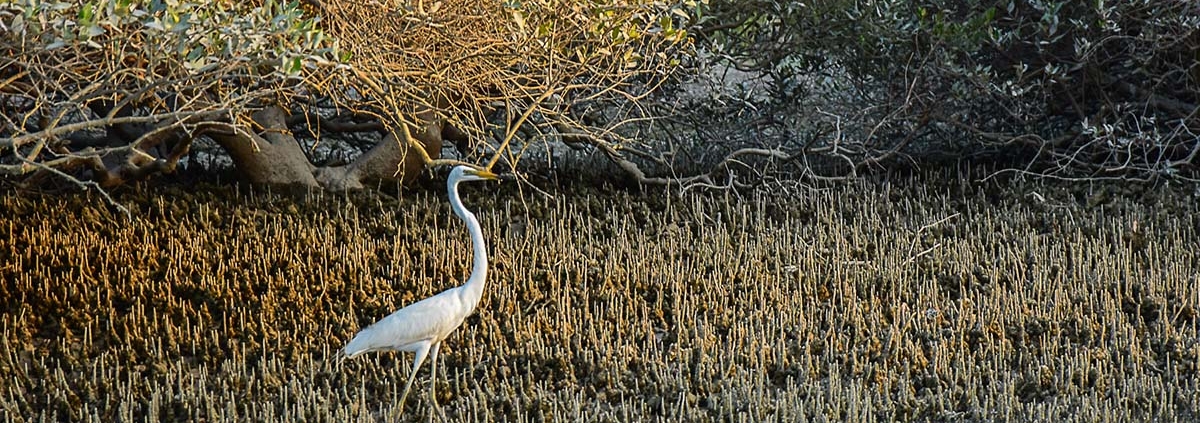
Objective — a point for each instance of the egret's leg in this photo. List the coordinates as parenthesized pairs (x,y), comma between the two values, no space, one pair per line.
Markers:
(433,373)
(422,350)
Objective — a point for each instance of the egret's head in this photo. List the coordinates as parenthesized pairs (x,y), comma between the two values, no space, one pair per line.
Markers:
(467,173)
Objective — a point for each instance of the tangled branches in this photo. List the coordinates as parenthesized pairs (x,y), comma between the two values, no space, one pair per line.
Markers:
(834,89)
(115,93)
(129,89)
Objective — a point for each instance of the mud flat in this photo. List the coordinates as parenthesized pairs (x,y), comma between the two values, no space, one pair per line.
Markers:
(864,302)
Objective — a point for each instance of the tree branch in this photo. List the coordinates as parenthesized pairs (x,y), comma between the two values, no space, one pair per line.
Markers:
(81,184)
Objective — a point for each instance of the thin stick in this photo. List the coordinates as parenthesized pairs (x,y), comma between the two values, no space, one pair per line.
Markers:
(85,185)
(913,258)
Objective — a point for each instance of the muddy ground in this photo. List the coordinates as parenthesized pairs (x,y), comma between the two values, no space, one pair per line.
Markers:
(931,297)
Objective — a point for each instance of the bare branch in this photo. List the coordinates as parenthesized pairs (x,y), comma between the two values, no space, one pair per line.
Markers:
(84,185)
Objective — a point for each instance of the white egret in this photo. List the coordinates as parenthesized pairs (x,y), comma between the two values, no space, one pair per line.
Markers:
(422,326)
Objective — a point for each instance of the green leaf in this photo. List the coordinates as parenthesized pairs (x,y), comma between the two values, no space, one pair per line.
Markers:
(185,22)
(86,13)
(196,53)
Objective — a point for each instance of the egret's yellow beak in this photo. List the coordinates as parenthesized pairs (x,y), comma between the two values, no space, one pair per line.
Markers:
(484,174)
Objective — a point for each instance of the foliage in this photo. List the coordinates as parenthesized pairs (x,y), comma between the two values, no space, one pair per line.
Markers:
(110,91)
(547,63)
(1091,89)
(197,35)
(121,88)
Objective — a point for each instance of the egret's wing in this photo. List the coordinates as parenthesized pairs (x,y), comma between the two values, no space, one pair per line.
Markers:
(425,320)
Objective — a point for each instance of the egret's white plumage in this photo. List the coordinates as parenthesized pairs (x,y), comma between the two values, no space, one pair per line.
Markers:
(422,326)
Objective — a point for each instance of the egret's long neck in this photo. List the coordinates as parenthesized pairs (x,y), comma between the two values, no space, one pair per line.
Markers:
(474,286)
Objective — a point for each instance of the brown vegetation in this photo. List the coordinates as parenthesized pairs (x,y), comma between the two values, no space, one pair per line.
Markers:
(102,94)
(869,302)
